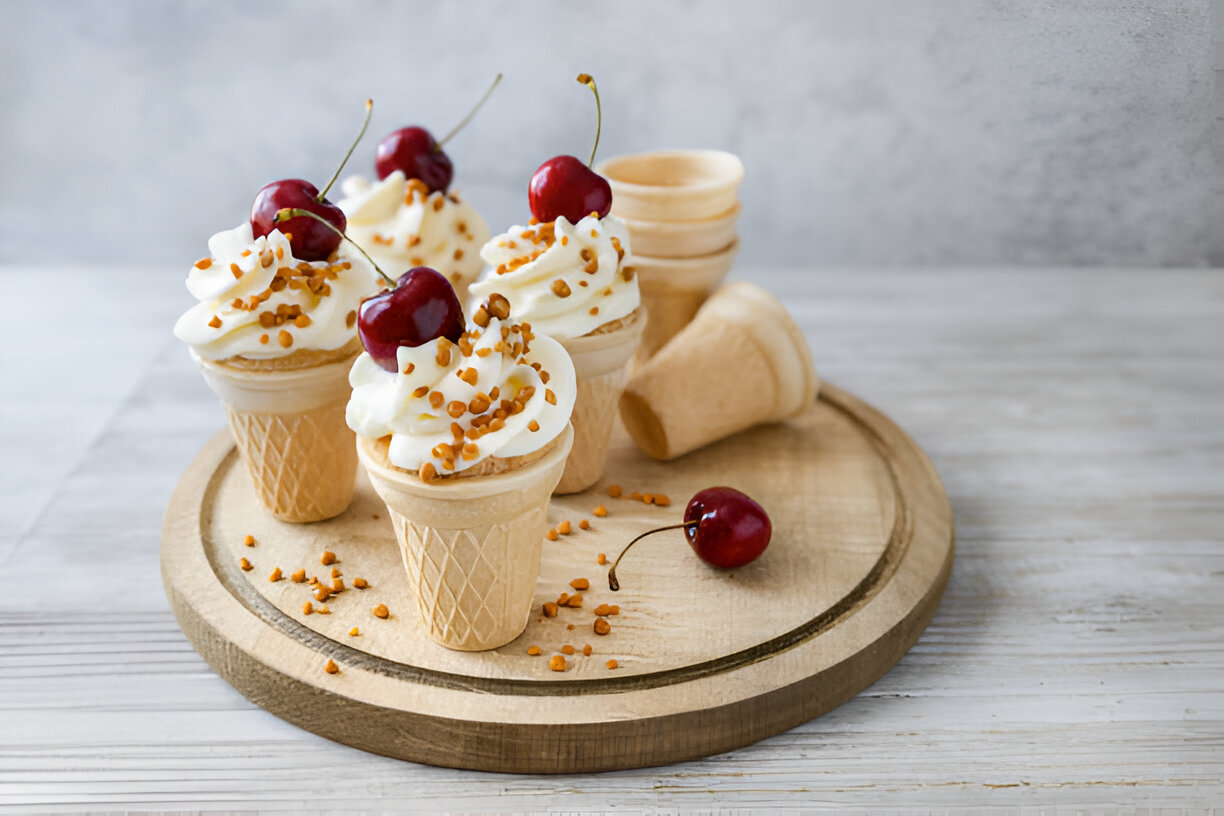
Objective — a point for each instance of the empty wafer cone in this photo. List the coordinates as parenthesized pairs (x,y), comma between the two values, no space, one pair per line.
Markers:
(601,364)
(673,185)
(740,362)
(673,289)
(471,545)
(290,430)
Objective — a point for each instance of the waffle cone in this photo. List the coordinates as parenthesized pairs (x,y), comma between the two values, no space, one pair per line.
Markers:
(601,364)
(740,362)
(290,430)
(673,289)
(471,546)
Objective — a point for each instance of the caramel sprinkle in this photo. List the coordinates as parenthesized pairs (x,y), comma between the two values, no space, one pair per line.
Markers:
(249,541)
(215,322)
(436,399)
(564,528)
(381,611)
(236,270)
(276,575)
(298,577)
(550,397)
(444,353)
(551,535)
(203,263)
(350,319)
(263,338)
(331,667)
(614,491)
(307,608)
(336,573)
(600,511)
(586,650)
(561,288)
(328,558)
(557,663)
(584,525)
(602,627)
(567,649)
(534,651)
(601,559)
(662,500)
(245,564)
(338,585)
(594,310)
(284,338)
(456,409)
(533,426)
(499,306)
(427,472)
(611,664)
(361,583)
(323,610)
(574,601)
(604,609)
(322,593)
(354,631)
(580,583)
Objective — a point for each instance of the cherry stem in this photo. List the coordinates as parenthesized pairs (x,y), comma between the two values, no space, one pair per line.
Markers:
(589,81)
(352,147)
(463,122)
(614,584)
(294,212)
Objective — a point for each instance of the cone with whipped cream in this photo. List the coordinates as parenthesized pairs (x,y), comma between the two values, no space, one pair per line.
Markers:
(470,544)
(464,436)
(680,207)
(742,361)
(601,366)
(288,424)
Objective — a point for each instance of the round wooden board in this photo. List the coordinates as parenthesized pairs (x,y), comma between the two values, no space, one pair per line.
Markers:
(708,660)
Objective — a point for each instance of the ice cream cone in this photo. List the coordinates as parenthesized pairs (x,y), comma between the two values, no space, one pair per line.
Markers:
(740,362)
(673,185)
(683,239)
(290,430)
(471,545)
(601,364)
(673,289)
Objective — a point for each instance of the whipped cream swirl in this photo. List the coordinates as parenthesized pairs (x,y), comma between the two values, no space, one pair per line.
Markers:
(500,391)
(565,279)
(402,225)
(257,301)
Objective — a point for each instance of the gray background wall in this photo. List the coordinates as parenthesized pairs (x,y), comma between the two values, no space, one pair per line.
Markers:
(1014,131)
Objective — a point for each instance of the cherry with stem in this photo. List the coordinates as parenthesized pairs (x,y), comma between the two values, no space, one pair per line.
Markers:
(564,186)
(726,528)
(308,239)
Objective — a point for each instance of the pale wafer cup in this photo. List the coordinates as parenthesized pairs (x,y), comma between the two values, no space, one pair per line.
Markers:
(601,365)
(673,289)
(290,430)
(742,361)
(673,185)
(471,545)
(682,239)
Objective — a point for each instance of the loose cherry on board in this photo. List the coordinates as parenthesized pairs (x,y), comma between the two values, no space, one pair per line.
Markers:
(309,239)
(563,185)
(419,307)
(726,528)
(414,151)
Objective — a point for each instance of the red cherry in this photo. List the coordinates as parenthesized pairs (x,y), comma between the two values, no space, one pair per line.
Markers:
(311,241)
(565,186)
(725,527)
(729,528)
(414,151)
(422,307)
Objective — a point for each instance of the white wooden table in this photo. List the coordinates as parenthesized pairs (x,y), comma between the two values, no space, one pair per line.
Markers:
(1077,419)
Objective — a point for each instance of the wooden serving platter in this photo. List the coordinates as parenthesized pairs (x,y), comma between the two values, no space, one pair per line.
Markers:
(707,661)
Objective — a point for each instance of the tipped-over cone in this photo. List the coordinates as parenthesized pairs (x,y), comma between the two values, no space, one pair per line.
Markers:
(740,362)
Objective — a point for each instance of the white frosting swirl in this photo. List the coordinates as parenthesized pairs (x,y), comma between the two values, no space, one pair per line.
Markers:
(565,279)
(450,407)
(402,225)
(258,301)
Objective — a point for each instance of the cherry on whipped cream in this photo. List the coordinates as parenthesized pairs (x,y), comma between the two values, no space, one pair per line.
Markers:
(310,239)
(726,528)
(563,185)
(422,307)
(414,151)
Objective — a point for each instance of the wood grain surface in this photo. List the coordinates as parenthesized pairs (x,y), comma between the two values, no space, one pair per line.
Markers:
(708,660)
(1077,420)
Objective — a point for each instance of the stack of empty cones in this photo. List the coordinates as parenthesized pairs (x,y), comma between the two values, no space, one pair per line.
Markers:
(680,207)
